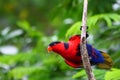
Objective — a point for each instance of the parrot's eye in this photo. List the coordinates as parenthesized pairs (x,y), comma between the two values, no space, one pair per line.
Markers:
(54,43)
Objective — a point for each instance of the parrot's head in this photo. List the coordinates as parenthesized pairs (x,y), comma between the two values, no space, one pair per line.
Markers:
(56,46)
(61,47)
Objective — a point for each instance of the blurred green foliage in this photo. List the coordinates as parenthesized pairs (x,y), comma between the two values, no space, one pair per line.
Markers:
(28,26)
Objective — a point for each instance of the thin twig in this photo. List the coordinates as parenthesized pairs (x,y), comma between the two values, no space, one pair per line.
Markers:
(83,50)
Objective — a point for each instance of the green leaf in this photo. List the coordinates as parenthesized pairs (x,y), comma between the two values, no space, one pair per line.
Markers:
(92,22)
(114,16)
(24,24)
(20,72)
(114,74)
(79,74)
(74,29)
(107,19)
(99,74)
(32,31)
(21,57)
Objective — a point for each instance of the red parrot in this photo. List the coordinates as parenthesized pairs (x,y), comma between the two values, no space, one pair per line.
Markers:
(70,51)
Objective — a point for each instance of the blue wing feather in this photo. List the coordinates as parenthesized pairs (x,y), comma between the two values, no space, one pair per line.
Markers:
(95,54)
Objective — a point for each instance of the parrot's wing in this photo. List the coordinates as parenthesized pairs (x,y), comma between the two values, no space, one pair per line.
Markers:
(74,65)
(108,63)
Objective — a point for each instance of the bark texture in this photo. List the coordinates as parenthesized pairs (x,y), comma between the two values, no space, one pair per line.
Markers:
(83,50)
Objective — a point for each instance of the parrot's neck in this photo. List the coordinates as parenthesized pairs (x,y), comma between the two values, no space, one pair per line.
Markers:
(67,50)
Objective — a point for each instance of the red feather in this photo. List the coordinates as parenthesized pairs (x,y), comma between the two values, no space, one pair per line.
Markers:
(70,51)
(70,54)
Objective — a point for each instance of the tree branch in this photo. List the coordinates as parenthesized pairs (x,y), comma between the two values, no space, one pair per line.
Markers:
(83,50)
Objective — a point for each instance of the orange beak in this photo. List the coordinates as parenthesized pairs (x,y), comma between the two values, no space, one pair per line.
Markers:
(49,49)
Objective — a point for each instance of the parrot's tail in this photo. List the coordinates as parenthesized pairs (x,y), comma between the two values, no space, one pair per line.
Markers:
(108,63)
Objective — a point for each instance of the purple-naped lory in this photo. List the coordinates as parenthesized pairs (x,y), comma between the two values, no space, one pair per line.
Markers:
(70,51)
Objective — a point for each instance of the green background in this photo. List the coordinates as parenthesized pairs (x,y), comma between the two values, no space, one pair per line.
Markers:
(28,26)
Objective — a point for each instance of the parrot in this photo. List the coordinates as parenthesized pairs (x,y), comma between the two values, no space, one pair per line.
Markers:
(70,51)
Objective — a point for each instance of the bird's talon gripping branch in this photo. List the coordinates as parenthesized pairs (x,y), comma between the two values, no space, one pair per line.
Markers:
(87,35)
